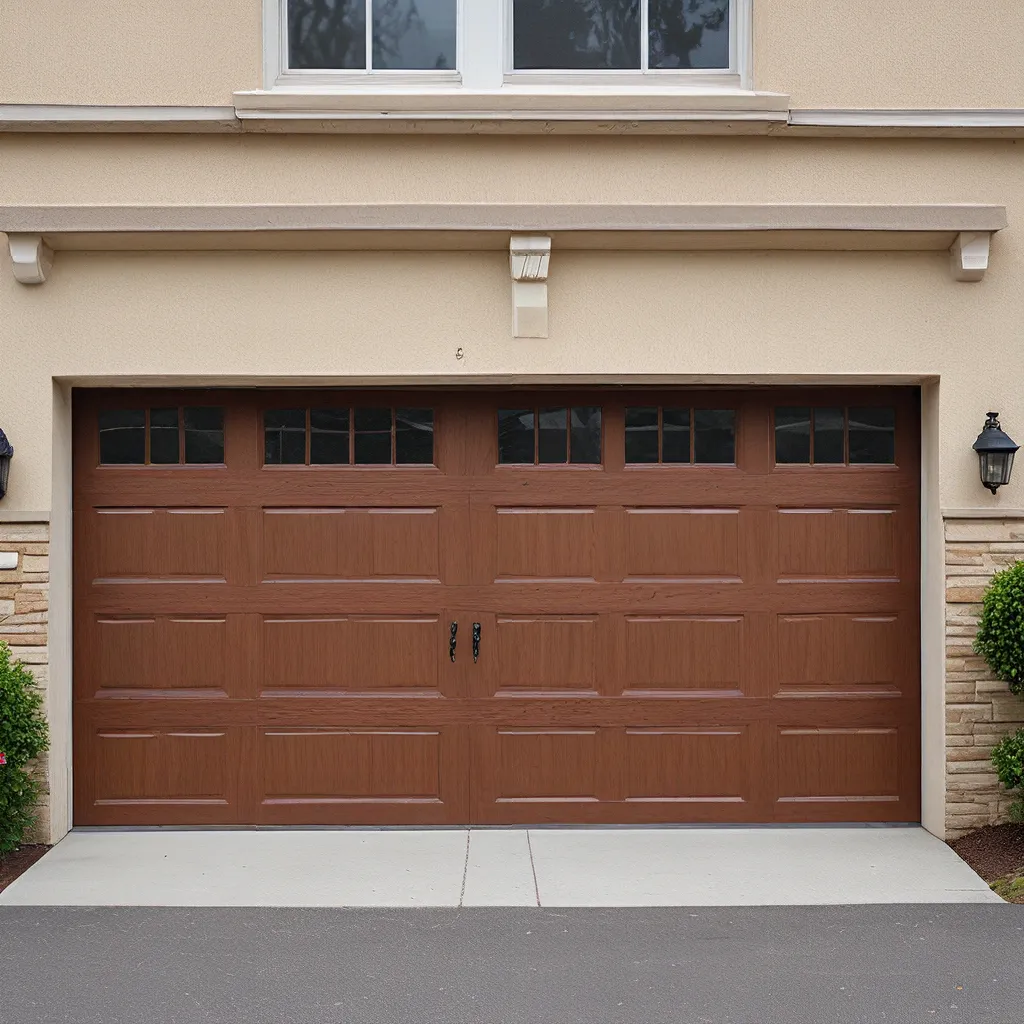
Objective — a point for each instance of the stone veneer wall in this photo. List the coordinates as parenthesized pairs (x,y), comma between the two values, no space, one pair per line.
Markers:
(980,710)
(24,606)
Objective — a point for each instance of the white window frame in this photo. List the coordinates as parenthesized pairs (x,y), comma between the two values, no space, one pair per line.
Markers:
(484,40)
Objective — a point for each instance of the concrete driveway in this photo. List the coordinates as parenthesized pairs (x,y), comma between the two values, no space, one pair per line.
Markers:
(500,868)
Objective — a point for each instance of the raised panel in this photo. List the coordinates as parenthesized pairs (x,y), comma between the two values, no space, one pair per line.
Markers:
(868,652)
(870,543)
(333,766)
(352,544)
(547,765)
(808,543)
(684,652)
(156,767)
(545,543)
(357,654)
(829,654)
(838,765)
(151,543)
(151,656)
(686,765)
(547,653)
(682,543)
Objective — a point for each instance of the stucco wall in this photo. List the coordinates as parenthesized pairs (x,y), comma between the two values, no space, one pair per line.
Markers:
(866,54)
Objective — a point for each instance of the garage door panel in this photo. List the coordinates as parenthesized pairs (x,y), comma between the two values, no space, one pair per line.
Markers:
(385,775)
(154,543)
(556,653)
(687,765)
(357,654)
(685,653)
(544,765)
(683,543)
(835,543)
(545,543)
(166,655)
(838,765)
(352,544)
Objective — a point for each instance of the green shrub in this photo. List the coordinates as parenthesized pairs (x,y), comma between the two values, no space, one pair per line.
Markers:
(1008,758)
(22,738)
(1000,639)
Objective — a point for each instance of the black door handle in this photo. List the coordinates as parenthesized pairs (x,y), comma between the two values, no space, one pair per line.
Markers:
(451,640)
(476,641)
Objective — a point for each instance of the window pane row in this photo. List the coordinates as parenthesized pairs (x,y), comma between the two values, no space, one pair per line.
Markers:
(661,434)
(550,436)
(548,35)
(859,435)
(341,437)
(192,435)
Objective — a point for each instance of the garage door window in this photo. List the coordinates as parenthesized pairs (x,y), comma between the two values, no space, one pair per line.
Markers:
(365,436)
(666,435)
(859,435)
(550,436)
(169,436)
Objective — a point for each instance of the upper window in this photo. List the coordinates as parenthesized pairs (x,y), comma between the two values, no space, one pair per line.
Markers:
(619,35)
(425,40)
(372,35)
(858,435)
(169,436)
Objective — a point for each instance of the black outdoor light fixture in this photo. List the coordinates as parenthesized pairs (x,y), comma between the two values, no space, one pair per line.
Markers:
(995,453)
(6,451)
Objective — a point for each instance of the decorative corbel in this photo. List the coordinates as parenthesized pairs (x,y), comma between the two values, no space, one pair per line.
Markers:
(969,255)
(31,258)
(529,257)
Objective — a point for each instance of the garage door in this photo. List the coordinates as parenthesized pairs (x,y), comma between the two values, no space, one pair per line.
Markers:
(308,607)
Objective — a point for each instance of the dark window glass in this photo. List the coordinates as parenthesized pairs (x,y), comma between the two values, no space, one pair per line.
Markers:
(163,437)
(689,33)
(204,435)
(414,35)
(123,437)
(328,437)
(873,435)
(792,435)
(515,436)
(551,439)
(714,435)
(585,435)
(284,437)
(566,35)
(327,34)
(373,437)
(414,436)
(642,435)
(675,439)
(829,441)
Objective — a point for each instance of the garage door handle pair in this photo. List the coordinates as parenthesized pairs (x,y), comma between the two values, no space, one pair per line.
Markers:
(452,642)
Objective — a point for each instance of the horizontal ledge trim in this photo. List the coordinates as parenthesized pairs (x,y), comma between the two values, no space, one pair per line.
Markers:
(920,118)
(54,221)
(983,513)
(14,516)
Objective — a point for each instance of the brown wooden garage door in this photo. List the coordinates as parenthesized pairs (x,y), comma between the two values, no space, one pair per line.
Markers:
(691,607)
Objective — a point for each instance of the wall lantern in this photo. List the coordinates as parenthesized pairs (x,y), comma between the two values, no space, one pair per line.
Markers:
(6,451)
(995,453)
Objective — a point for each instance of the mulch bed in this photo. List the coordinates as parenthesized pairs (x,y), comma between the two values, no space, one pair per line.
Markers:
(14,864)
(997,854)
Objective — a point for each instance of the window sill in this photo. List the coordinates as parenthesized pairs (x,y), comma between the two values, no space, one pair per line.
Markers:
(516,108)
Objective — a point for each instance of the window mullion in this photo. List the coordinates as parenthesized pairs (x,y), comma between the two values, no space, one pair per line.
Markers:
(369,35)
(645,35)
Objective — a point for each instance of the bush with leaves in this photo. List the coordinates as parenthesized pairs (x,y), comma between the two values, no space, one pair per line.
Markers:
(1008,758)
(22,739)
(1000,639)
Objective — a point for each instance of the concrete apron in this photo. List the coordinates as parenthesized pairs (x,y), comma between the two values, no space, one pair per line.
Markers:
(500,868)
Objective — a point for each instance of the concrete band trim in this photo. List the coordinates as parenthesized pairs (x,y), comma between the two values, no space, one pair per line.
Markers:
(734,112)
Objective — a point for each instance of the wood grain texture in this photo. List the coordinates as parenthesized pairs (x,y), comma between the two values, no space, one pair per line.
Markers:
(659,643)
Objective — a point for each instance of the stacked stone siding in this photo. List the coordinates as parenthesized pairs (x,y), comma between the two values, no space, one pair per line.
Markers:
(980,710)
(24,607)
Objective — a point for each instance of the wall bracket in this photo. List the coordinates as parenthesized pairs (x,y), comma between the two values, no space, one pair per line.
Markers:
(529,259)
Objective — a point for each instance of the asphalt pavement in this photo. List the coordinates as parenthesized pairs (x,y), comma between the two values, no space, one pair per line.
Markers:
(954,964)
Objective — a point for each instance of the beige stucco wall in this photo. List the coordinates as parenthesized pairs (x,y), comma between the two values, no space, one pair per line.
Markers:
(866,54)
